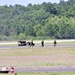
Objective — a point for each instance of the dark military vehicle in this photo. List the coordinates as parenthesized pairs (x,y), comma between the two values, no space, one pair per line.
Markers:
(21,43)
(24,43)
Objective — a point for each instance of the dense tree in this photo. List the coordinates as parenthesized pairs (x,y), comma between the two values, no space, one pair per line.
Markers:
(43,20)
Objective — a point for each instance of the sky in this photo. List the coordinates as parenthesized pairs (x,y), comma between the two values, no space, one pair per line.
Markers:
(26,2)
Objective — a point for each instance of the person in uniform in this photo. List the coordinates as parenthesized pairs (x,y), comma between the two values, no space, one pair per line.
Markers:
(55,42)
(31,43)
(42,43)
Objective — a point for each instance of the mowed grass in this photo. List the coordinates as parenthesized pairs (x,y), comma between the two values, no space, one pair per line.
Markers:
(45,73)
(37,51)
(53,56)
(49,73)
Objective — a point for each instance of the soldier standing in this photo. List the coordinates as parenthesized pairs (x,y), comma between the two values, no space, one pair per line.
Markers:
(31,43)
(55,42)
(42,43)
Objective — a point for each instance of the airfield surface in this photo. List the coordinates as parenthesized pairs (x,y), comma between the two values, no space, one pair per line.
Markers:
(56,61)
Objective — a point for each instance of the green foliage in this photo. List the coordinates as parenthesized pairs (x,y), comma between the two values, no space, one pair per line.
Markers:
(44,20)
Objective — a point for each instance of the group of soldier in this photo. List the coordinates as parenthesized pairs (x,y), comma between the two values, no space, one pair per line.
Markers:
(42,43)
(31,43)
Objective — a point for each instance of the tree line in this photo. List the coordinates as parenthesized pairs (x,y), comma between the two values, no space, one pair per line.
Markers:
(38,21)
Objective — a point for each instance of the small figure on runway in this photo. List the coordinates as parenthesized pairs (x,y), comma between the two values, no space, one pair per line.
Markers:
(55,43)
(42,43)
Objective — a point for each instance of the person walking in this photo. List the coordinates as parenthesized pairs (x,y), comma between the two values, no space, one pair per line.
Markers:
(55,43)
(42,43)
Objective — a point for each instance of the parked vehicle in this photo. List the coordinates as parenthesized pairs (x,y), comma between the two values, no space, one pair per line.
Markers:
(21,43)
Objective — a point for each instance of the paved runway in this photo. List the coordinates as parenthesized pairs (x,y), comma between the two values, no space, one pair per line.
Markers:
(37,45)
(46,69)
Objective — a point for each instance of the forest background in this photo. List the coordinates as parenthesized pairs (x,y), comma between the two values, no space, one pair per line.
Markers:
(38,21)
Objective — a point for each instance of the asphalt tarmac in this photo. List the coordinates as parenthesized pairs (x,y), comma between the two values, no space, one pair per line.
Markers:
(37,45)
(46,69)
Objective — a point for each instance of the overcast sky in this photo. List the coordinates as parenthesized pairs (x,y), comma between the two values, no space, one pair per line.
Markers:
(26,2)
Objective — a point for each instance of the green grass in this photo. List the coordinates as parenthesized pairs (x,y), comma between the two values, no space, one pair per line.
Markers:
(62,56)
(54,56)
(45,73)
(48,73)
(37,51)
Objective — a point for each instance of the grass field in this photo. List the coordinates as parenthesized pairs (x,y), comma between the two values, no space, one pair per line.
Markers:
(45,73)
(54,56)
